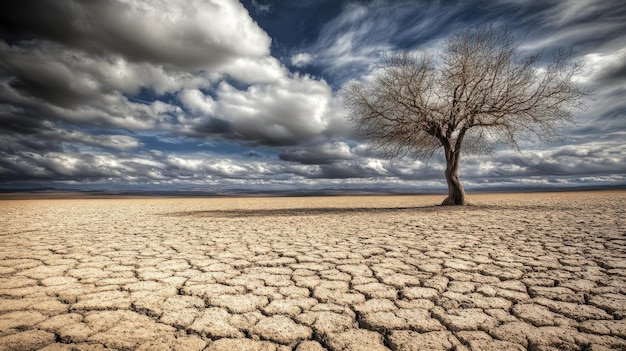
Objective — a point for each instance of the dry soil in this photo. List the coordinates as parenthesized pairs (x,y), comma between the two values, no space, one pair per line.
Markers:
(511,272)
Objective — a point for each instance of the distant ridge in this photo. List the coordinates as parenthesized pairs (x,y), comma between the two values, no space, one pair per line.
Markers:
(63,192)
(220,193)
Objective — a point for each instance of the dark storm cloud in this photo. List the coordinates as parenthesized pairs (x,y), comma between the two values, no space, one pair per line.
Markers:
(318,154)
(52,166)
(346,169)
(15,121)
(584,160)
(53,140)
(215,126)
(614,74)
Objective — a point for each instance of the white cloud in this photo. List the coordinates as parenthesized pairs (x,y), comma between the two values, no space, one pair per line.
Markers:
(302,59)
(190,33)
(351,44)
(288,111)
(350,39)
(196,101)
(566,37)
(255,70)
(599,66)
(569,11)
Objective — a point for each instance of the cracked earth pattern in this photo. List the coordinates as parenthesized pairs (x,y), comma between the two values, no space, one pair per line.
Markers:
(512,272)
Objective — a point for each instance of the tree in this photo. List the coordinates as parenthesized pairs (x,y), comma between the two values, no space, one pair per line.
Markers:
(480,92)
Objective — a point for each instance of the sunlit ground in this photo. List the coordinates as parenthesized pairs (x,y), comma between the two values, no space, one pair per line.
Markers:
(539,271)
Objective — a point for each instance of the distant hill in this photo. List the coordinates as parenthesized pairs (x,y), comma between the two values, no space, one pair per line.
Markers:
(51,192)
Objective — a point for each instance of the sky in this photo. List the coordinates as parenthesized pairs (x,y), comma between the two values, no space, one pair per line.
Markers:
(206,95)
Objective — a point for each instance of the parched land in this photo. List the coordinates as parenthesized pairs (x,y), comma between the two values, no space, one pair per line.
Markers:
(511,272)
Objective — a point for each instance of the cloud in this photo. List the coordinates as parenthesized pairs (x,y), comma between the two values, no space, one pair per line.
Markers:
(114,142)
(224,85)
(602,68)
(261,7)
(339,160)
(350,41)
(318,154)
(281,113)
(196,93)
(572,11)
(264,70)
(112,64)
(193,34)
(591,163)
(604,72)
(350,45)
(291,110)
(197,102)
(573,24)
(301,59)
(584,160)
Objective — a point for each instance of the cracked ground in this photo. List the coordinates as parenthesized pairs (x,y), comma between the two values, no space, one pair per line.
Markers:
(511,272)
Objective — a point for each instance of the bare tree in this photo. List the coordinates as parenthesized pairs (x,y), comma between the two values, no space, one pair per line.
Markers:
(480,92)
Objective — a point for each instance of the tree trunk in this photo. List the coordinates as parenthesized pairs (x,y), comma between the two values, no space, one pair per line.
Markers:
(456,193)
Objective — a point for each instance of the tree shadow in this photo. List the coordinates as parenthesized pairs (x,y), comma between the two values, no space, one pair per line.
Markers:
(325,211)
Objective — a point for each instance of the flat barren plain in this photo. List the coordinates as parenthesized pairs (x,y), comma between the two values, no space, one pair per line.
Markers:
(540,271)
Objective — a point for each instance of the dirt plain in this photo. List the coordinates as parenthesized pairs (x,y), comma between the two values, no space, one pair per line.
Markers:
(540,271)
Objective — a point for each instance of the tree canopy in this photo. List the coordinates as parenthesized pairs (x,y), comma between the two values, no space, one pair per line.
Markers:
(481,91)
